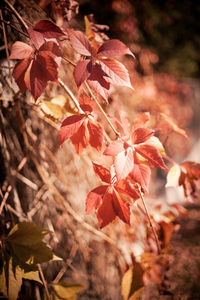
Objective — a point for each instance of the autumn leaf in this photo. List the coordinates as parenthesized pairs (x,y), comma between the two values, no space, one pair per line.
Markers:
(43,31)
(186,175)
(107,200)
(132,281)
(36,67)
(152,155)
(99,71)
(79,42)
(20,50)
(82,71)
(141,135)
(83,131)
(113,48)
(70,126)
(66,290)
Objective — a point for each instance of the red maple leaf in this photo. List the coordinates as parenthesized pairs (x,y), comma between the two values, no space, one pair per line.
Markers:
(82,130)
(126,160)
(108,200)
(99,68)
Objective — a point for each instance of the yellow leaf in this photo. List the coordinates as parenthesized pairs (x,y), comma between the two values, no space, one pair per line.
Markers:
(67,291)
(173,126)
(155,142)
(173,176)
(14,281)
(32,276)
(132,281)
(3,285)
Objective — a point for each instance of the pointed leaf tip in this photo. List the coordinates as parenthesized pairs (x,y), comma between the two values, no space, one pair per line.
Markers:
(112,48)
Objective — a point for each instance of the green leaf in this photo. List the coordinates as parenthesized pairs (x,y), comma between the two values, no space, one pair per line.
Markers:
(132,281)
(26,233)
(28,257)
(24,243)
(14,281)
(67,291)
(32,276)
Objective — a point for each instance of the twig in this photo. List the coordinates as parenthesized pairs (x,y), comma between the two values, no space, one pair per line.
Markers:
(102,110)
(11,25)
(6,44)
(44,281)
(69,61)
(52,188)
(17,15)
(9,188)
(69,92)
(149,218)
(95,99)
(5,198)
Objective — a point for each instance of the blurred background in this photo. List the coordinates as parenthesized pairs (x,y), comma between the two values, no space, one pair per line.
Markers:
(164,37)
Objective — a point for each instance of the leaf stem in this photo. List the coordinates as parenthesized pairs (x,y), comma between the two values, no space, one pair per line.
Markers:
(149,218)
(17,15)
(101,109)
(96,100)
(69,92)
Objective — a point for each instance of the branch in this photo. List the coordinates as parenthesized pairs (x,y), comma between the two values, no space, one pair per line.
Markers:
(101,109)
(17,15)
(69,92)
(149,218)
(6,43)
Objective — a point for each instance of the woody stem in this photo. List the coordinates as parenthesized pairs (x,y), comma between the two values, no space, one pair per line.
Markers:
(69,92)
(149,218)
(17,15)
(101,109)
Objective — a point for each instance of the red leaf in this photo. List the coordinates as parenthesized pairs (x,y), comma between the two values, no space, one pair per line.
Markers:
(192,169)
(116,71)
(82,71)
(80,139)
(20,50)
(94,198)
(140,135)
(52,48)
(36,37)
(86,103)
(96,135)
(102,172)
(124,163)
(70,126)
(99,89)
(114,148)
(19,73)
(106,213)
(141,174)
(98,81)
(126,188)
(43,69)
(48,29)
(113,48)
(121,208)
(80,42)
(98,75)
(152,155)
